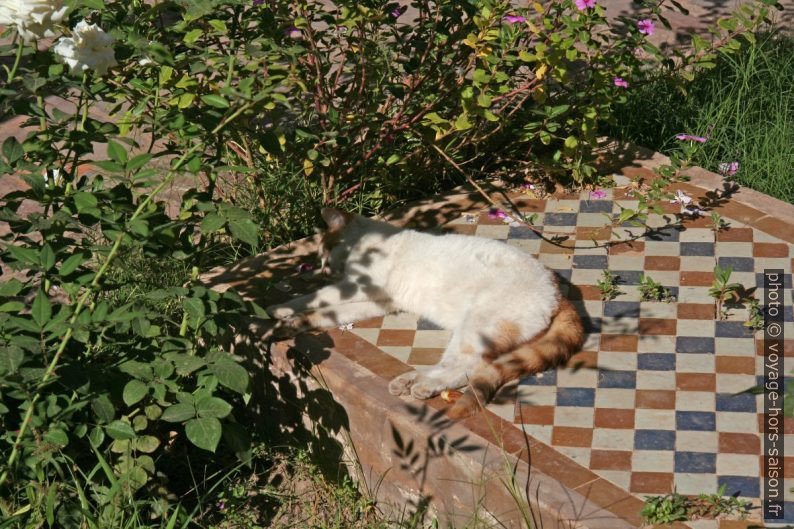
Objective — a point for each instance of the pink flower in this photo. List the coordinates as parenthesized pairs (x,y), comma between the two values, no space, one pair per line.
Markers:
(528,186)
(619,81)
(581,5)
(398,11)
(681,198)
(646,26)
(513,19)
(598,193)
(690,137)
(304,267)
(494,213)
(293,33)
(729,169)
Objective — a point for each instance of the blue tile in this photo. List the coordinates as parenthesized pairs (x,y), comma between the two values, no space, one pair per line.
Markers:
(759,282)
(736,402)
(427,325)
(549,378)
(564,274)
(628,277)
(788,509)
(694,344)
(590,261)
(617,379)
(695,462)
(740,486)
(575,396)
(665,233)
(732,329)
(522,232)
(656,361)
(559,219)
(697,248)
(699,421)
(622,309)
(739,264)
(595,206)
(654,440)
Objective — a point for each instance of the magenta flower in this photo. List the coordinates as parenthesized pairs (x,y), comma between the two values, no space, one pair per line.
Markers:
(619,81)
(598,193)
(293,32)
(496,214)
(398,11)
(581,5)
(646,26)
(729,169)
(259,2)
(690,137)
(513,19)
(304,267)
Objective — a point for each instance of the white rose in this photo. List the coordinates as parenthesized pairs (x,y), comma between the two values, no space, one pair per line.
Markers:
(89,48)
(34,19)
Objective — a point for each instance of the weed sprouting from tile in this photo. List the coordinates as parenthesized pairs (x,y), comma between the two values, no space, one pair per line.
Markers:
(755,317)
(723,290)
(608,285)
(717,224)
(677,507)
(651,290)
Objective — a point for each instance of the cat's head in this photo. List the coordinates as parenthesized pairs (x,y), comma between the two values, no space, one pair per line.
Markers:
(332,250)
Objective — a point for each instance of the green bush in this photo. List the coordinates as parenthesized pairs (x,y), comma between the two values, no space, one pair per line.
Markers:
(114,370)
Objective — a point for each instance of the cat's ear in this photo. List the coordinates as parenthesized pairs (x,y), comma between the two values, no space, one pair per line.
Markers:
(336,219)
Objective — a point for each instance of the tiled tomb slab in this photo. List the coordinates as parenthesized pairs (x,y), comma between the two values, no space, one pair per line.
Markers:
(655,402)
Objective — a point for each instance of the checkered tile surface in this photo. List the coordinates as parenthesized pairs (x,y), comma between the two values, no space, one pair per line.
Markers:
(654,401)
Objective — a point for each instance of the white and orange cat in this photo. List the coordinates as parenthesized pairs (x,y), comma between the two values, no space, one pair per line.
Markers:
(504,308)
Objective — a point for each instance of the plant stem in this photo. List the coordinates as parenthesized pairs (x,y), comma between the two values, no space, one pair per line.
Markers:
(94,284)
(13,72)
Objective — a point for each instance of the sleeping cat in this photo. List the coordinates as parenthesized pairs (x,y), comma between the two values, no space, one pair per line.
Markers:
(504,308)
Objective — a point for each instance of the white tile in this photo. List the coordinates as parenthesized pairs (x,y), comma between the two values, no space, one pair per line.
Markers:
(616,360)
(652,461)
(400,353)
(695,401)
(654,419)
(697,263)
(738,465)
(370,335)
(655,344)
(581,417)
(694,363)
(401,320)
(621,478)
(578,454)
(655,380)
(539,431)
(537,395)
(696,235)
(734,383)
(702,328)
(687,441)
(613,439)
(577,378)
(737,422)
(693,483)
(615,398)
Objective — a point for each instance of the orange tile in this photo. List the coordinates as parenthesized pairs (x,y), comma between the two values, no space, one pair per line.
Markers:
(696,311)
(637,173)
(657,326)
(530,205)
(589,233)
(736,365)
(661,262)
(655,399)
(371,323)
(651,482)
(696,279)
(769,249)
(423,355)
(396,337)
(614,418)
(627,248)
(529,414)
(610,460)
(585,292)
(572,436)
(619,342)
(696,381)
(739,443)
(735,235)
(463,229)
(583,360)
(742,213)
(565,246)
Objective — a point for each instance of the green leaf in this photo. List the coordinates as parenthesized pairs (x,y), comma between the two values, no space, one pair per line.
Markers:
(12,287)
(103,408)
(194,308)
(463,123)
(138,161)
(215,100)
(146,444)
(230,374)
(184,363)
(213,407)
(117,153)
(204,433)
(119,430)
(212,222)
(12,150)
(178,412)
(12,306)
(57,436)
(83,201)
(71,264)
(42,309)
(192,35)
(393,159)
(11,357)
(245,230)
(134,391)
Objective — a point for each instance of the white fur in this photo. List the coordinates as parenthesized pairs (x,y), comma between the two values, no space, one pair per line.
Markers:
(470,285)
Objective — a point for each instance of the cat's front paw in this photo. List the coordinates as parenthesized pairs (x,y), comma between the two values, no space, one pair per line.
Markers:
(280,312)
(425,388)
(401,385)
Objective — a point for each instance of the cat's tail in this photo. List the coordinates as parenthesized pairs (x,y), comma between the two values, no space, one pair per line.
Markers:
(563,337)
